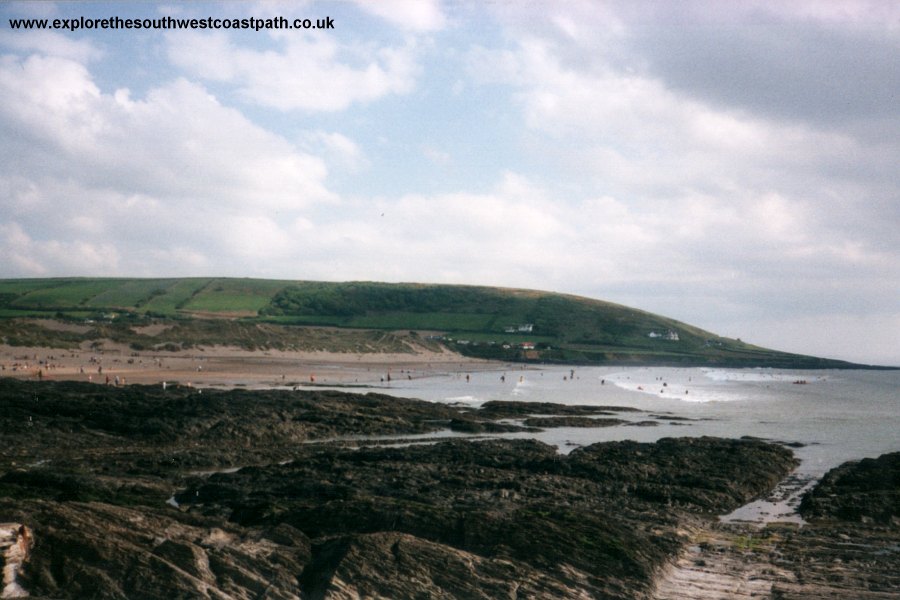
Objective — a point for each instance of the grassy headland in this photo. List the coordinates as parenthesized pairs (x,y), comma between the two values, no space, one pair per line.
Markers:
(484,322)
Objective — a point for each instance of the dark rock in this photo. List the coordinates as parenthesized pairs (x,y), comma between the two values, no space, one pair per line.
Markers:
(96,550)
(550,422)
(455,519)
(476,426)
(869,488)
(605,509)
(850,546)
(396,565)
(703,473)
(515,408)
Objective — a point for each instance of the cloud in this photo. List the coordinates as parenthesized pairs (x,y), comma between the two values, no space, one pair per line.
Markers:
(117,176)
(413,15)
(32,257)
(505,235)
(781,68)
(310,72)
(179,141)
(338,149)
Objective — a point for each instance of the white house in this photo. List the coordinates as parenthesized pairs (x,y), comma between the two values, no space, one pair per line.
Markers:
(669,335)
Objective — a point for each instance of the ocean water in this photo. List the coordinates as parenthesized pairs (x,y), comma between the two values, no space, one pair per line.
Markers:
(832,417)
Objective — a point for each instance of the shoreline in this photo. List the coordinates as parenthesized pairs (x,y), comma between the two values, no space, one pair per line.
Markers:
(218,366)
(230,366)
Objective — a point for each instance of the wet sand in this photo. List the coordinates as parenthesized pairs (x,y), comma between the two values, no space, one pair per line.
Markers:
(219,366)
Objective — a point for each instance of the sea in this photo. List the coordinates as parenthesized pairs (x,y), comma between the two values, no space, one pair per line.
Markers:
(827,417)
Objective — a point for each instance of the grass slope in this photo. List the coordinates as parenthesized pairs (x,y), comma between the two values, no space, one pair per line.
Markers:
(477,321)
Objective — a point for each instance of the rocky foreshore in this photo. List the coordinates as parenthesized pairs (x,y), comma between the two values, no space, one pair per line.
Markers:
(849,546)
(140,492)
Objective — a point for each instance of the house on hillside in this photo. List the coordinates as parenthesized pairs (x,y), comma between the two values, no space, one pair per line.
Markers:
(522,328)
(670,335)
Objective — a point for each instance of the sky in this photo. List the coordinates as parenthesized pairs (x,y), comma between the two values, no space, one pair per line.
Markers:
(733,165)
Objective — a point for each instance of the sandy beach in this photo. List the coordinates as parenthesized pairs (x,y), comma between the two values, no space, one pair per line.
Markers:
(222,366)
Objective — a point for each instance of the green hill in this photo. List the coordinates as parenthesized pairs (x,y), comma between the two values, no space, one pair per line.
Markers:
(497,323)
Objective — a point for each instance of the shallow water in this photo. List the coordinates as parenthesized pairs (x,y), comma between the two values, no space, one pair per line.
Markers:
(833,417)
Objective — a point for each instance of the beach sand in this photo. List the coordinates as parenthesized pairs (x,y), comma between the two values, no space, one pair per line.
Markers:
(222,366)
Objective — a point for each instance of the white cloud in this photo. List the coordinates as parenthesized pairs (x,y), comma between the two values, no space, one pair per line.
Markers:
(304,72)
(647,143)
(338,149)
(50,98)
(413,15)
(178,142)
(506,235)
(116,176)
(31,257)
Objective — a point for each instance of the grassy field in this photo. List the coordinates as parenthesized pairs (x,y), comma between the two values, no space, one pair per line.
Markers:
(233,296)
(174,296)
(270,313)
(64,294)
